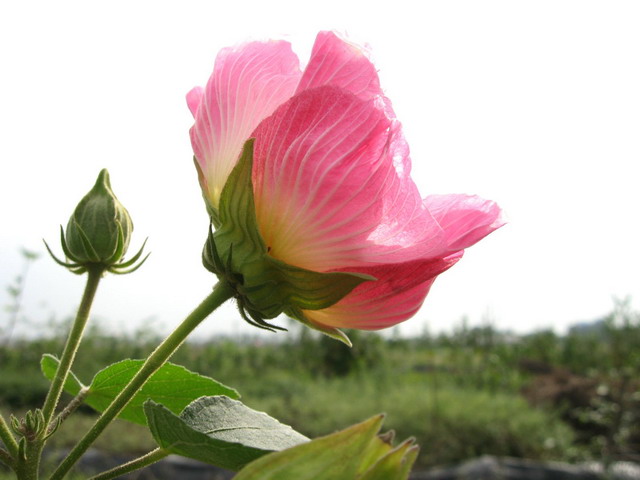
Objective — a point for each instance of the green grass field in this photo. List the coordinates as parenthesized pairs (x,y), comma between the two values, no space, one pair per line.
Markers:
(471,393)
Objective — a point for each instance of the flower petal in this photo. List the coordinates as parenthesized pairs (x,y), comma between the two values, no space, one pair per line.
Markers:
(465,219)
(319,173)
(332,185)
(407,230)
(336,62)
(247,84)
(193,99)
(396,296)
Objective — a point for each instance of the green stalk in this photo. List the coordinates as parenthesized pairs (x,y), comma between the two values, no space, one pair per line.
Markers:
(69,409)
(28,466)
(6,458)
(73,341)
(7,438)
(221,293)
(152,457)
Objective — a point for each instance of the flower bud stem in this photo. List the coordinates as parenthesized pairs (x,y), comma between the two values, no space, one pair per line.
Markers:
(28,467)
(152,457)
(73,341)
(221,293)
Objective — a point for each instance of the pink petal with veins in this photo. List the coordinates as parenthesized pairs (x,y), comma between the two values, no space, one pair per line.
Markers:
(319,173)
(247,84)
(465,219)
(336,62)
(193,99)
(332,185)
(395,296)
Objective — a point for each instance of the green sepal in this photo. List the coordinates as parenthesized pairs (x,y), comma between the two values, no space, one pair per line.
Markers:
(89,252)
(124,268)
(211,210)
(56,259)
(265,286)
(332,332)
(22,449)
(135,258)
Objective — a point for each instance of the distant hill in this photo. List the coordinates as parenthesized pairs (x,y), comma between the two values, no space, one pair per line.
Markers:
(588,328)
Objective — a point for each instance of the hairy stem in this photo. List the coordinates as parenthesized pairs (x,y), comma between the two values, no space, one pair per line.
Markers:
(73,341)
(221,293)
(69,409)
(29,465)
(135,464)
(7,459)
(6,435)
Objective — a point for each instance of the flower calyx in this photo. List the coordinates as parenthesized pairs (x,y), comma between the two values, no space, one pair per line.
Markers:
(265,286)
(98,233)
(225,272)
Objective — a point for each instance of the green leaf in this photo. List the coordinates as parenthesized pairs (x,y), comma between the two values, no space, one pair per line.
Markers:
(49,366)
(219,431)
(173,385)
(356,453)
(338,456)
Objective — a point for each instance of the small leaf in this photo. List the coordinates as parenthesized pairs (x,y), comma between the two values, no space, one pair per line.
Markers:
(219,431)
(49,366)
(172,384)
(338,456)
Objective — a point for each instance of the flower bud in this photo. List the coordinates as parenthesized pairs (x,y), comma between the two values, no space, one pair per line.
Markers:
(100,228)
(98,232)
(31,425)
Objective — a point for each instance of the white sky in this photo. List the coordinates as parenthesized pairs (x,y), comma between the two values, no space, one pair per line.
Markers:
(535,104)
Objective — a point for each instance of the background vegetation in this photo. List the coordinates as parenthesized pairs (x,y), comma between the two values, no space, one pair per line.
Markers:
(476,391)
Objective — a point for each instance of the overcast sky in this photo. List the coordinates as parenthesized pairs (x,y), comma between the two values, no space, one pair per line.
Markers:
(533,104)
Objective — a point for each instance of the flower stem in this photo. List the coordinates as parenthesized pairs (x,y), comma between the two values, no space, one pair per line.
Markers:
(29,465)
(69,409)
(221,293)
(73,341)
(5,457)
(152,457)
(7,437)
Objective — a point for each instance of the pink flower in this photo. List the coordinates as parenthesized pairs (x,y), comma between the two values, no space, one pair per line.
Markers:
(331,176)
